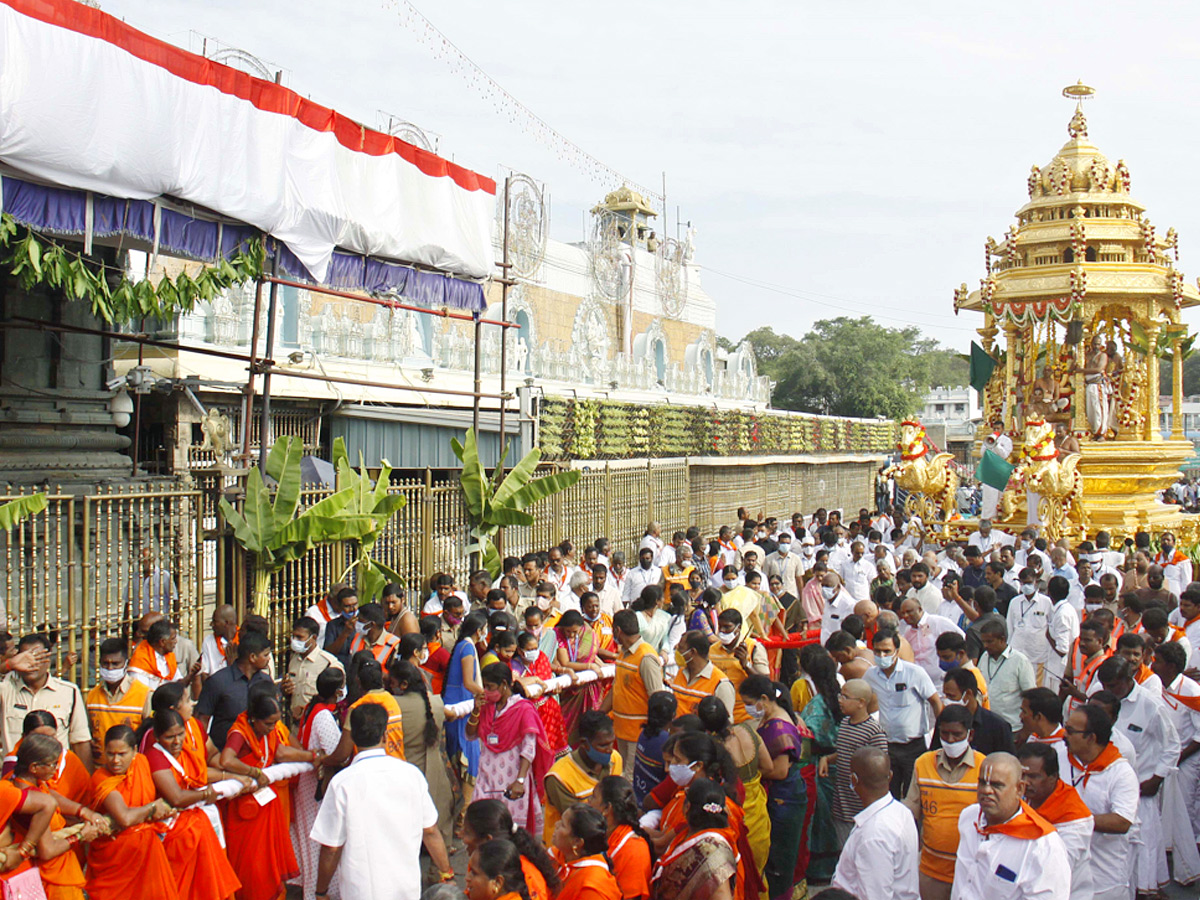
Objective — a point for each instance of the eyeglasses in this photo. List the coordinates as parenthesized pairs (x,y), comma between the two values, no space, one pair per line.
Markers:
(1067,729)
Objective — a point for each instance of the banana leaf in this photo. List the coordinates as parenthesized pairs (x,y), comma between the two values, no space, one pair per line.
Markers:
(16,511)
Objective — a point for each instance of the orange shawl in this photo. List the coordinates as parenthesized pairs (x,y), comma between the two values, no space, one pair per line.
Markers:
(588,878)
(144,659)
(12,798)
(1063,805)
(1107,757)
(1026,825)
(62,871)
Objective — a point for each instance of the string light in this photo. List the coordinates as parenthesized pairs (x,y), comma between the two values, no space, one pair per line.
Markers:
(509,107)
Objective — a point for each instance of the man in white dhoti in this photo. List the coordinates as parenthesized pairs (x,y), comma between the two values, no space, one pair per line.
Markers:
(1096,386)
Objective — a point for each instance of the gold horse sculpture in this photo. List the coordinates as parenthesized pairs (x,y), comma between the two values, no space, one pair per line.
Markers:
(1053,477)
(929,480)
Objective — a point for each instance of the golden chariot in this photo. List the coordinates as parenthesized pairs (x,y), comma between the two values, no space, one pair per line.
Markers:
(1086,296)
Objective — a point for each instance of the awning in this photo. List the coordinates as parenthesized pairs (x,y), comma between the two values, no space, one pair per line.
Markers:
(88,102)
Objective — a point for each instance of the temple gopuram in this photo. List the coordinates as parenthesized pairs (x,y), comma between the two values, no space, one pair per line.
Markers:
(1081,305)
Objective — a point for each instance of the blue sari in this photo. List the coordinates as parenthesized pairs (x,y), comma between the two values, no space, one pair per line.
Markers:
(458,748)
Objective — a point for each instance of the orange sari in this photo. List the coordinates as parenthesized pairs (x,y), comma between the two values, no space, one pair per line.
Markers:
(62,877)
(12,798)
(198,861)
(257,839)
(588,878)
(132,864)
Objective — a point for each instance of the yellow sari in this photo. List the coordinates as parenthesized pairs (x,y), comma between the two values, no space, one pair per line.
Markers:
(758,822)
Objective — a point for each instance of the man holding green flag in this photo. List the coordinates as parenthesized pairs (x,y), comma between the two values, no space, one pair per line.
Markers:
(994,469)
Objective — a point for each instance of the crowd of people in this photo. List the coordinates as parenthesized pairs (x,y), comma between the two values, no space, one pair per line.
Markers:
(781,707)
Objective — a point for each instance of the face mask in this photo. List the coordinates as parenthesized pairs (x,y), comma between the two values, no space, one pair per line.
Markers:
(544,602)
(728,638)
(755,712)
(300,647)
(785,548)
(646,563)
(341,694)
(360,628)
(947,666)
(452,619)
(1029,589)
(350,615)
(956,749)
(949,702)
(491,696)
(885,661)
(597,757)
(828,592)
(424,657)
(536,632)
(682,775)
(679,660)
(530,656)
(588,618)
(113,676)
(730,584)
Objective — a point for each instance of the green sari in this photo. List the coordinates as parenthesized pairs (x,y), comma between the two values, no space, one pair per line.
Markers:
(823,844)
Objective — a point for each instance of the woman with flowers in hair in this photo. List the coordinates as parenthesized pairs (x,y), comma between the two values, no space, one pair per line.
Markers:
(700,864)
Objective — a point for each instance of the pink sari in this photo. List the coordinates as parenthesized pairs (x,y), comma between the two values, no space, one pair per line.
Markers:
(575,701)
(505,733)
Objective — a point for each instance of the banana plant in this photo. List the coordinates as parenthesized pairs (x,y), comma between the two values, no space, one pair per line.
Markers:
(268,527)
(16,511)
(368,511)
(1139,340)
(501,500)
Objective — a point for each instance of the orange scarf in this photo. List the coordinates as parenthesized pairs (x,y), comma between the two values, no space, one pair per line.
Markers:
(1143,672)
(1107,757)
(136,787)
(1063,805)
(146,660)
(259,751)
(1192,703)
(1026,825)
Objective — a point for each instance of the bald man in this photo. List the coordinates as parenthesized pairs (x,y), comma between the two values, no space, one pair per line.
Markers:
(869,613)
(219,648)
(1005,848)
(879,859)
(838,604)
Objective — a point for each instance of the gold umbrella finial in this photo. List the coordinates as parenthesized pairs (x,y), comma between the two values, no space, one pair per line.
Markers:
(1078,92)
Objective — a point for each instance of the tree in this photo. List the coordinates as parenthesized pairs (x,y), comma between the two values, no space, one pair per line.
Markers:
(494,504)
(366,513)
(14,512)
(854,367)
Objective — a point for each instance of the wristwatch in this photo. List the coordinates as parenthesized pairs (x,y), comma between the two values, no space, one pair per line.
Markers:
(520,779)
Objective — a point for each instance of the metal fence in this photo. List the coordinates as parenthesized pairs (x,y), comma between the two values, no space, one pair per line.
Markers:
(73,570)
(79,570)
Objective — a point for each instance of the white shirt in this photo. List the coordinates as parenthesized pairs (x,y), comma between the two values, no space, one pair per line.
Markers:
(212,654)
(376,810)
(1063,623)
(999,867)
(610,598)
(1144,720)
(835,610)
(930,596)
(903,699)
(151,680)
(856,576)
(994,540)
(1077,836)
(1027,620)
(924,642)
(636,580)
(1176,576)
(1111,790)
(879,861)
(314,613)
(1185,719)
(1002,867)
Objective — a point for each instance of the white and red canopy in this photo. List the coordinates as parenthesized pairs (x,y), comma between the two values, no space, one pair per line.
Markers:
(88,102)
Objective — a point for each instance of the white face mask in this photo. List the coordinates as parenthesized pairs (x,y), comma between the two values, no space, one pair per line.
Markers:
(530,656)
(1029,589)
(728,638)
(299,646)
(785,548)
(956,749)
(341,694)
(756,712)
(424,657)
(828,592)
(949,702)
(113,676)
(885,661)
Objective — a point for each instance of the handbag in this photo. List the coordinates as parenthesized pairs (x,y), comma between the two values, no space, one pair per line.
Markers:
(26,885)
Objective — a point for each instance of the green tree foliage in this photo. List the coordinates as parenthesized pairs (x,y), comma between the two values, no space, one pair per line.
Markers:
(854,367)
(14,512)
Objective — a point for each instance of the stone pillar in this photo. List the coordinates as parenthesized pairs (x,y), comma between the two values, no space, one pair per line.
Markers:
(1150,431)
(1177,433)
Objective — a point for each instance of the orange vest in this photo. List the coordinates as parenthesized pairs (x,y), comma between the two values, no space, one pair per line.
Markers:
(732,669)
(681,579)
(103,712)
(688,696)
(576,780)
(382,652)
(393,738)
(630,699)
(1082,672)
(941,804)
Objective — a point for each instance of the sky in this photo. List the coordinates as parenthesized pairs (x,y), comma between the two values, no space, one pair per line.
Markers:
(834,159)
